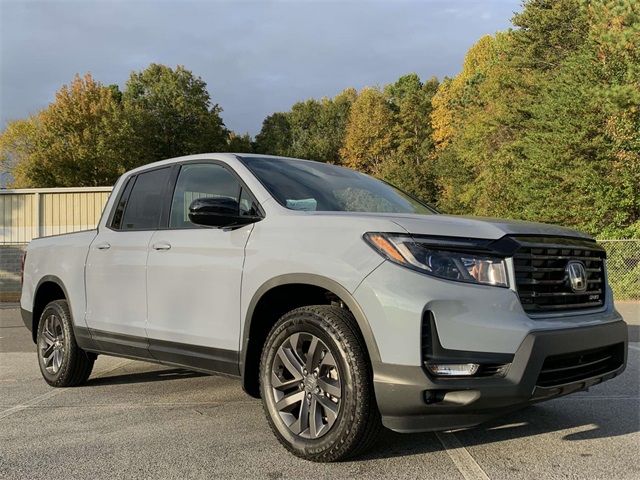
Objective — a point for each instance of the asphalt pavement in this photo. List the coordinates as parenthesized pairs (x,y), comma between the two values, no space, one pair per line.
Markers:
(139,420)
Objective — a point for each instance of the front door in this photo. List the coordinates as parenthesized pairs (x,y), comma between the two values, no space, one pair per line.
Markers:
(194,275)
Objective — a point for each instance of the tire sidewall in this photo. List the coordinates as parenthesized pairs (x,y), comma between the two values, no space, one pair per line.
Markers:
(310,323)
(60,309)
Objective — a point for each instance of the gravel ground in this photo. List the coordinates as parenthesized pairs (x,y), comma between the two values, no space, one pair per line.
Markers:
(138,420)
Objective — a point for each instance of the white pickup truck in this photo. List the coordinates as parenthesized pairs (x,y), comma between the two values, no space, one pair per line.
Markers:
(342,302)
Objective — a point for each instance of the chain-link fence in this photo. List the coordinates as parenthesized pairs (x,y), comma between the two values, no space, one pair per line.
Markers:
(623,267)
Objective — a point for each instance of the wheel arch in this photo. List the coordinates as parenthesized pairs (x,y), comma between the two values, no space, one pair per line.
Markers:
(49,288)
(254,331)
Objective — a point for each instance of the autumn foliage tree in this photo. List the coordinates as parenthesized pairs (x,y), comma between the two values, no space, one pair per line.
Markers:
(369,137)
(92,133)
(80,139)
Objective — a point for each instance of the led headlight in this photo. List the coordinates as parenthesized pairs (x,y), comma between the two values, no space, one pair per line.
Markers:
(449,259)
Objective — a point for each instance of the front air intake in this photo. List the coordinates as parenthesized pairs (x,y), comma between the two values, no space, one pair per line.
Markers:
(574,367)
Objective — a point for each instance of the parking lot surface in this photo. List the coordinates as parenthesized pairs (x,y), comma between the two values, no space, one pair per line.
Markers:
(139,420)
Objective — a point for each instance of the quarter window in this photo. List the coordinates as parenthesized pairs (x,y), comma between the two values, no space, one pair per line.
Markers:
(116,221)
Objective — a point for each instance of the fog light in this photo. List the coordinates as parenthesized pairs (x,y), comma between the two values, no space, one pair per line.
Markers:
(453,369)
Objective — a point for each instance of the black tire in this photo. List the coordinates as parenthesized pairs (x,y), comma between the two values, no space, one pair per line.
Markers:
(75,365)
(357,422)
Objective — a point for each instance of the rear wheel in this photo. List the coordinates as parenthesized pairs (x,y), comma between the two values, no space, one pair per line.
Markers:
(316,385)
(62,362)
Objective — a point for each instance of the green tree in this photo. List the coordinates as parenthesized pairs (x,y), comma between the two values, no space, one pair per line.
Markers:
(171,114)
(318,126)
(549,31)
(275,136)
(78,140)
(411,166)
(411,101)
(312,129)
(239,143)
(542,122)
(303,119)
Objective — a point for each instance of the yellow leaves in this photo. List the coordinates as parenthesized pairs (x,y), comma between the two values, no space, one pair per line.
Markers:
(442,116)
(16,142)
(369,136)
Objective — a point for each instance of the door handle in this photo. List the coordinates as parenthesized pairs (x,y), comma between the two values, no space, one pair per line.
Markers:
(162,246)
(103,246)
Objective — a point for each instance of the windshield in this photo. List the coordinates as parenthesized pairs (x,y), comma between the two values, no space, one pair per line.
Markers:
(316,186)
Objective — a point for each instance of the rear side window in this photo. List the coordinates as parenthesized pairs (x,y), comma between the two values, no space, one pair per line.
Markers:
(144,204)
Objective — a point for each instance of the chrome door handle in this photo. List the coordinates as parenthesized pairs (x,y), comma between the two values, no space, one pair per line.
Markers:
(161,246)
(103,246)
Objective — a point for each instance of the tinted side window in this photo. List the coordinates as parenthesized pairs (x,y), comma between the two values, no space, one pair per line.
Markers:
(116,221)
(144,206)
(198,180)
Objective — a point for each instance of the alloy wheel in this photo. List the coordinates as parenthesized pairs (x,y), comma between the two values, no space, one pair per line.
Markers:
(306,385)
(51,344)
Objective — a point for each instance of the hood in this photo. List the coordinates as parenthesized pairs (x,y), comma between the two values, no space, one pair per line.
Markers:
(479,227)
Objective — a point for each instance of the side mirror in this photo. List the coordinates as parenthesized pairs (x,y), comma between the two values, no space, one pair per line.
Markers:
(218,212)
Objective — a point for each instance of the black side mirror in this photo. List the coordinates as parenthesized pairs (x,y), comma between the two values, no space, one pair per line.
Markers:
(218,212)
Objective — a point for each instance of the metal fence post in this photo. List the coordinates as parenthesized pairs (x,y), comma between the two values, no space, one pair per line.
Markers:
(37,210)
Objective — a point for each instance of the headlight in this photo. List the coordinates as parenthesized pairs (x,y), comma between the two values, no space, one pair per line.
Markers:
(442,258)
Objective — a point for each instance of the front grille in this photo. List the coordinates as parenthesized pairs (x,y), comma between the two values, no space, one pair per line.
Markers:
(542,279)
(573,367)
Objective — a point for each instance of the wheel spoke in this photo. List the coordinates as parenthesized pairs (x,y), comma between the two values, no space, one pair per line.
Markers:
(46,352)
(47,337)
(57,360)
(293,341)
(48,327)
(313,354)
(288,400)
(291,362)
(332,387)
(302,423)
(55,330)
(47,359)
(330,409)
(315,418)
(328,360)
(281,384)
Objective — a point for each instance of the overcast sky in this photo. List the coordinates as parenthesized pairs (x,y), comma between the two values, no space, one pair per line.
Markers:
(256,57)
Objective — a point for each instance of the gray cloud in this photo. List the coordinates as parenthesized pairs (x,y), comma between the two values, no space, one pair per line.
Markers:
(256,57)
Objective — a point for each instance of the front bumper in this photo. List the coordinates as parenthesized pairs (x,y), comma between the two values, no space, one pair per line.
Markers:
(401,390)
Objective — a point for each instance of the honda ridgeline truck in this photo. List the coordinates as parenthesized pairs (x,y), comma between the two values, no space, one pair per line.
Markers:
(342,302)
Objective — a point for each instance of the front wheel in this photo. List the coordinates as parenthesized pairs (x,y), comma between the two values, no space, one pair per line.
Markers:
(316,385)
(62,362)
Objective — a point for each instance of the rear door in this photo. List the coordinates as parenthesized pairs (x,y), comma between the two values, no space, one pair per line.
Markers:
(116,279)
(194,275)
